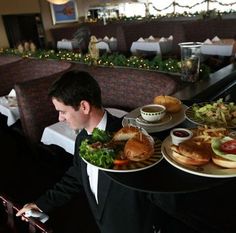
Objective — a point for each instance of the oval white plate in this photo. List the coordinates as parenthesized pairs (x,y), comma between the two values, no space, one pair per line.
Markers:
(136,166)
(207,170)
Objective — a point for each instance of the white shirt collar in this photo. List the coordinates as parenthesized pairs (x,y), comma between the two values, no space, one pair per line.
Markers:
(92,171)
(103,123)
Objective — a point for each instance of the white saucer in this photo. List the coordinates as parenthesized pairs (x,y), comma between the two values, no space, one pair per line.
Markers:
(164,120)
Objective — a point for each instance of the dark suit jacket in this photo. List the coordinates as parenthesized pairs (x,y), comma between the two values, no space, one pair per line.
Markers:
(120,209)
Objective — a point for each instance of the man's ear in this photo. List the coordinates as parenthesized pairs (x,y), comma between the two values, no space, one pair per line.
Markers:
(85,106)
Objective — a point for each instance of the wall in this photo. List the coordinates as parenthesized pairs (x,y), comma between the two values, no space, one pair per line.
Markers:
(82,6)
(3,39)
(8,7)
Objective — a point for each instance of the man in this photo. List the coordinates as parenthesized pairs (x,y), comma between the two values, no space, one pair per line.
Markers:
(77,98)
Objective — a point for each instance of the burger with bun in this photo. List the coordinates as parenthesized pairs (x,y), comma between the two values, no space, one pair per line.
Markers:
(139,148)
(171,103)
(191,153)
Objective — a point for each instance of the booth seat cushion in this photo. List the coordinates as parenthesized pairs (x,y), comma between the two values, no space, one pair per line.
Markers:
(8,59)
(27,69)
(128,88)
(35,107)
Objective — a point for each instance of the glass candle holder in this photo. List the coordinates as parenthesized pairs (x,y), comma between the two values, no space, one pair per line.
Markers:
(190,61)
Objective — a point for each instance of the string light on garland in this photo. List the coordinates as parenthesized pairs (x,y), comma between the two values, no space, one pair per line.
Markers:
(174,3)
(168,65)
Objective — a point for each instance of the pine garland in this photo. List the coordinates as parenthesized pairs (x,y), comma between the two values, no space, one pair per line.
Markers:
(169,65)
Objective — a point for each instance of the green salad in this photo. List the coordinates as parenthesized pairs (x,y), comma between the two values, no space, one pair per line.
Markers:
(217,113)
(97,150)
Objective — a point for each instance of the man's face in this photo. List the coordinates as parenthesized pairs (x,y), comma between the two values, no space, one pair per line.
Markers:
(76,119)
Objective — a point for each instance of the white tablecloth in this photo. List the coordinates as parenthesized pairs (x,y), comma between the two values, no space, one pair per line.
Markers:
(103,46)
(60,134)
(156,46)
(222,48)
(67,44)
(8,107)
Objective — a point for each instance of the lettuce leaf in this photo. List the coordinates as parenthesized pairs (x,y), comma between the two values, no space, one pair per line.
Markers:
(101,157)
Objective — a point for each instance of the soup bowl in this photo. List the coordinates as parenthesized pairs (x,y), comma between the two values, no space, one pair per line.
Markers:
(153,112)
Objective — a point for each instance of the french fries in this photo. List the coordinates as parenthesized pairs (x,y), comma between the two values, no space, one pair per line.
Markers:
(204,134)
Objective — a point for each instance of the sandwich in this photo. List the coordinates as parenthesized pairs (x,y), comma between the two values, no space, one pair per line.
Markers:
(171,103)
(190,152)
(138,145)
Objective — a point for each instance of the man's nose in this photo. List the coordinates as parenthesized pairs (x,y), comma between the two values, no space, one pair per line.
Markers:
(60,117)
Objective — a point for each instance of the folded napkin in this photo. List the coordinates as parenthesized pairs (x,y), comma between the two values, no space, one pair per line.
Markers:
(106,38)
(170,37)
(207,41)
(151,38)
(141,39)
(42,217)
(112,39)
(12,93)
(215,39)
(162,39)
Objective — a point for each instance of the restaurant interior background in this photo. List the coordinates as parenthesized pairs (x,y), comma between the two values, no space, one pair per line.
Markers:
(32,20)
(37,14)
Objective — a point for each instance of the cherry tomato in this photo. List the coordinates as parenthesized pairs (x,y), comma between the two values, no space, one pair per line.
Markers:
(120,162)
(229,147)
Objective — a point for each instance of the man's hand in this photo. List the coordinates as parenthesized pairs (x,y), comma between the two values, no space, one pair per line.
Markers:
(26,209)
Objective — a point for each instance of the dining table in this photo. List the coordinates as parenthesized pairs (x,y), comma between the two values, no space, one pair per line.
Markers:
(152,44)
(192,197)
(220,47)
(9,108)
(107,44)
(166,178)
(67,44)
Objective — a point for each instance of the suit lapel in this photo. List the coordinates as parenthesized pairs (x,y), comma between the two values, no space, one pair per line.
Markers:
(104,182)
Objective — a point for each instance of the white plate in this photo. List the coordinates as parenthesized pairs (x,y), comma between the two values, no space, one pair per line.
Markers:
(136,166)
(164,120)
(189,113)
(207,170)
(176,119)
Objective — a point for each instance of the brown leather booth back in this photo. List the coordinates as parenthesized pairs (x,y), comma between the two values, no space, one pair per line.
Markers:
(28,69)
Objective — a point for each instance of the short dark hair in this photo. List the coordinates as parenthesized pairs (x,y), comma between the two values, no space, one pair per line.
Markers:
(74,86)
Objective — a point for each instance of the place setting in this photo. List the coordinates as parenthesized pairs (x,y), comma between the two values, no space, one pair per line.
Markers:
(130,149)
(9,100)
(216,114)
(209,148)
(164,113)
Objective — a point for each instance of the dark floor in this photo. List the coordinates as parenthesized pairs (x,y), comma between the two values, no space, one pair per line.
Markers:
(26,171)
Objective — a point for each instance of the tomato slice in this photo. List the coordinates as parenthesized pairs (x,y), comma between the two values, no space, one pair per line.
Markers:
(229,147)
(120,162)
